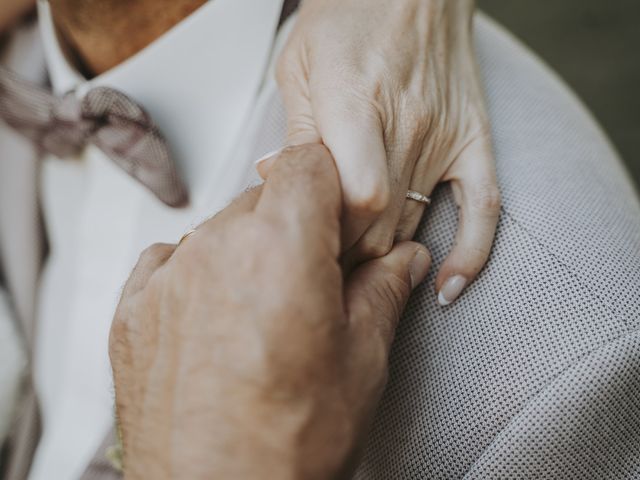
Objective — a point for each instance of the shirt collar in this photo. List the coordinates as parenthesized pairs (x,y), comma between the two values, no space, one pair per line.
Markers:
(198,81)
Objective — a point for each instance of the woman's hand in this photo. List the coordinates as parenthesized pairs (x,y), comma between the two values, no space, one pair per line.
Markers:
(392,89)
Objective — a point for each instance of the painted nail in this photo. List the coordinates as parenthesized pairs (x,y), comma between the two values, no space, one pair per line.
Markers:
(451,290)
(268,156)
(419,268)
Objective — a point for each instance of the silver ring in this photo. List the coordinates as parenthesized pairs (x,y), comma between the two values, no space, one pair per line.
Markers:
(418,197)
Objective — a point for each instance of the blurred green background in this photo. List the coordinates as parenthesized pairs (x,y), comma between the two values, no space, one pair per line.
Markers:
(595,46)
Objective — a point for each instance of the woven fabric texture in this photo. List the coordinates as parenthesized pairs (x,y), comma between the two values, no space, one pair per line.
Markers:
(535,371)
(107,118)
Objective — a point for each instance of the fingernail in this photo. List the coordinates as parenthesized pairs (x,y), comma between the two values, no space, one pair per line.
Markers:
(451,290)
(268,156)
(419,268)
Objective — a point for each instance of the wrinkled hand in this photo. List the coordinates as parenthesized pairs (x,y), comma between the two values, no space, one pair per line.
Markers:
(392,89)
(242,353)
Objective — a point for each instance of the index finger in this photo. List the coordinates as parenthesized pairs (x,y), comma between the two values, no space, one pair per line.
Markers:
(302,191)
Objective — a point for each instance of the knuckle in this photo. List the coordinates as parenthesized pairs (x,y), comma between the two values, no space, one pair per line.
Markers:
(350,97)
(487,200)
(305,158)
(394,293)
(416,118)
(301,129)
(372,198)
(481,253)
(371,247)
(152,252)
(471,260)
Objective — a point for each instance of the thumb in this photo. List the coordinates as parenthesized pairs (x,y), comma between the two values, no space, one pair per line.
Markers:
(293,80)
(377,292)
(301,124)
(151,259)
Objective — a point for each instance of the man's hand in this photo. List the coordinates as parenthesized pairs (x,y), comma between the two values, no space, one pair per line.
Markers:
(242,353)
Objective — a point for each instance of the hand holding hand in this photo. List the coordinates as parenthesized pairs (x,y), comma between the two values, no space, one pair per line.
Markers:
(392,89)
(241,353)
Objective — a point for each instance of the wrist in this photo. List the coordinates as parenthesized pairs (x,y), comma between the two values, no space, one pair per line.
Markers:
(287,442)
(286,445)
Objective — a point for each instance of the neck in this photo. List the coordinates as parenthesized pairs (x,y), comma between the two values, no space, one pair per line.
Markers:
(94,29)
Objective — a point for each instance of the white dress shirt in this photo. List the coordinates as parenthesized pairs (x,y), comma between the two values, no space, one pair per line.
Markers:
(12,363)
(203,83)
(16,257)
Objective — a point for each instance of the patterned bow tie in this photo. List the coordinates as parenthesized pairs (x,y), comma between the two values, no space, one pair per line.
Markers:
(105,118)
